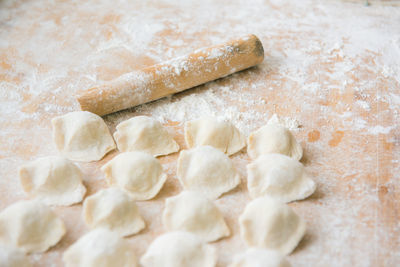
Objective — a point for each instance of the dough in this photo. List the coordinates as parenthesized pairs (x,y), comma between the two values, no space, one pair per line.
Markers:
(31,226)
(207,170)
(257,257)
(82,136)
(100,248)
(273,138)
(53,180)
(192,212)
(210,131)
(142,133)
(179,249)
(13,257)
(279,177)
(113,209)
(266,223)
(139,173)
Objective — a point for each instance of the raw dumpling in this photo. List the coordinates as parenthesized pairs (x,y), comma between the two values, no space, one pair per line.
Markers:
(266,223)
(279,177)
(31,226)
(100,248)
(82,136)
(207,170)
(142,133)
(179,249)
(139,173)
(192,212)
(113,209)
(210,131)
(13,257)
(53,180)
(273,138)
(257,257)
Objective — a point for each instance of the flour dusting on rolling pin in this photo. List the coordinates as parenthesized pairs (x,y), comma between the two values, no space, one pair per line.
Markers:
(173,76)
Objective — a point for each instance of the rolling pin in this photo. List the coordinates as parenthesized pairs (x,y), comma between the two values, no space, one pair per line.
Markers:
(172,76)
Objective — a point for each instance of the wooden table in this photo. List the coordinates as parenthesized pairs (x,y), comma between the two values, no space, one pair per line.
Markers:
(332,66)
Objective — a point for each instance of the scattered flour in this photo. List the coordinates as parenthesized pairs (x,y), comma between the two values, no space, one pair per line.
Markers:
(320,56)
(365,105)
(209,101)
(290,123)
(380,129)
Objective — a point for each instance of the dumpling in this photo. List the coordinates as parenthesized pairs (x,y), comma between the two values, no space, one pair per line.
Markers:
(53,180)
(273,138)
(257,257)
(142,133)
(279,177)
(192,212)
(30,226)
(13,257)
(139,173)
(100,248)
(210,131)
(113,209)
(266,223)
(82,136)
(179,249)
(207,170)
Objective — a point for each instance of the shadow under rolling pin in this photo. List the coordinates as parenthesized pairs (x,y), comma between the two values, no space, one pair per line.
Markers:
(173,76)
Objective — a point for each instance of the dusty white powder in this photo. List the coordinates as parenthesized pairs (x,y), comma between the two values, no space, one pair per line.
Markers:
(290,123)
(324,63)
(209,101)
(378,129)
(365,105)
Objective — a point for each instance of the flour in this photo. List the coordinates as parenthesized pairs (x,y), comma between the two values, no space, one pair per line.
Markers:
(380,129)
(290,123)
(365,105)
(329,67)
(208,101)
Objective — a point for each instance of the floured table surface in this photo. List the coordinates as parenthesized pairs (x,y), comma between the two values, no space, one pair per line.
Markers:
(332,67)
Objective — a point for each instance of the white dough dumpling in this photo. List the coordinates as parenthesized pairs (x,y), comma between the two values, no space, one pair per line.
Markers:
(258,257)
(113,209)
(30,226)
(138,173)
(13,257)
(82,136)
(266,223)
(53,180)
(100,248)
(142,133)
(179,249)
(279,177)
(210,131)
(273,138)
(192,212)
(207,170)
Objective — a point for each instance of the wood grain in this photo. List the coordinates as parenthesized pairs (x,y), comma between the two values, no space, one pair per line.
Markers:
(173,76)
(331,65)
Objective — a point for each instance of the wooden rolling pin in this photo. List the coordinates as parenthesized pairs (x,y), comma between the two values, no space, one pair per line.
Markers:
(173,76)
